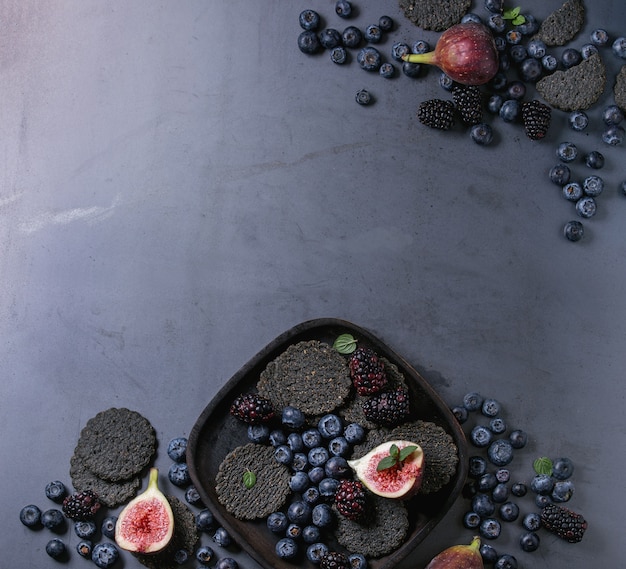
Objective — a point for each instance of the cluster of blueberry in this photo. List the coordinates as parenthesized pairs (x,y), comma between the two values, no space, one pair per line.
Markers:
(317,459)
(103,554)
(491,490)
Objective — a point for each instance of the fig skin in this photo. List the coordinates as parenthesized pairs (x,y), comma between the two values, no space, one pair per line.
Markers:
(465,52)
(459,557)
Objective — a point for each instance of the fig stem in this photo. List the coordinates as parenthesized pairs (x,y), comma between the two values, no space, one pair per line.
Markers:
(428,58)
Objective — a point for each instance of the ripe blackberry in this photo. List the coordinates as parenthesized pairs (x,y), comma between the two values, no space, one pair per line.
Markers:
(350,499)
(367,371)
(335,560)
(436,113)
(81,506)
(536,118)
(469,104)
(389,408)
(561,521)
(252,408)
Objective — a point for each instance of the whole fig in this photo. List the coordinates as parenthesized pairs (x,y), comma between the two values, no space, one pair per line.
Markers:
(459,557)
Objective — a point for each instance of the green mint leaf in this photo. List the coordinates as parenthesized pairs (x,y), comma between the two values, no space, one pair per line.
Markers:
(249,479)
(519,20)
(345,344)
(407,451)
(385,463)
(511,14)
(543,465)
(394,451)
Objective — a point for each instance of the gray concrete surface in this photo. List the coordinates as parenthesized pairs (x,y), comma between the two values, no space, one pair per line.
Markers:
(179,185)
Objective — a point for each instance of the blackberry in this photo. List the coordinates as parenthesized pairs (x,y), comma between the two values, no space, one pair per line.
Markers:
(350,499)
(564,523)
(389,408)
(367,371)
(536,118)
(436,113)
(81,506)
(469,104)
(335,560)
(252,408)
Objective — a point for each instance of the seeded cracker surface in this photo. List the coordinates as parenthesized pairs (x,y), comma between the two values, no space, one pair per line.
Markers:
(116,444)
(562,25)
(577,88)
(185,537)
(311,376)
(619,90)
(384,534)
(269,492)
(436,15)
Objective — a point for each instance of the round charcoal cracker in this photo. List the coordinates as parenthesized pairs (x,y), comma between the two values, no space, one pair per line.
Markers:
(111,494)
(185,537)
(436,15)
(270,490)
(311,376)
(116,444)
(384,534)
(619,90)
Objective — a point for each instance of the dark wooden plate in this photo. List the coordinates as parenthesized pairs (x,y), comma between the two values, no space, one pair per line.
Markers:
(216,433)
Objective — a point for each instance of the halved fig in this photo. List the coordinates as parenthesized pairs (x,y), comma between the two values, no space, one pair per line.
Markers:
(393,469)
(146,524)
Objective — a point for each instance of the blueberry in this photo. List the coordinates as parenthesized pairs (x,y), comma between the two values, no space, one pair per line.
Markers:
(204,520)
(562,491)
(328,487)
(311,534)
(277,522)
(470,489)
(339,446)
(501,44)
(385,23)
(471,17)
(572,191)
(192,496)
(542,500)
(504,62)
(420,46)
(562,468)
(259,433)
(578,120)
(494,6)
(518,438)
(354,433)
(30,516)
(363,97)
(181,556)
(497,23)
(531,69)
(316,551)
(317,474)
(55,548)
(519,489)
(480,436)
(178,474)
(56,491)
(481,134)
(488,553)
(599,37)
(322,515)
(387,70)
(542,484)
(567,151)
(277,438)
(338,55)
(399,49)
(460,413)
(294,531)
(570,57)
(299,512)
(529,541)
(343,8)
(311,438)
(330,426)
(500,493)
(227,563)
(357,561)
(85,529)
(490,528)
(472,401)
(506,561)
(84,548)
(594,160)
(299,481)
(490,408)
(483,505)
(308,42)
(300,462)
(497,425)
(509,110)
(549,63)
(487,481)
(531,521)
(529,26)
(309,20)
(286,548)
(412,70)
(446,82)
(593,186)
(104,555)
(517,53)
(622,188)
(559,174)
(477,466)
(204,554)
(53,519)
(373,33)
(283,454)
(495,103)
(509,511)
(311,495)
(499,81)
(588,50)
(351,37)
(586,207)
(471,520)
(318,456)
(295,442)
(329,38)
(536,48)
(222,537)
(619,47)
(177,449)
(613,135)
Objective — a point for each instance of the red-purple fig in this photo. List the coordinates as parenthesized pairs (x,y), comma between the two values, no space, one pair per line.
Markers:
(465,52)
(459,557)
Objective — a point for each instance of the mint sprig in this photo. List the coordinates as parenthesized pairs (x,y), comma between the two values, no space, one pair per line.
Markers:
(543,465)
(396,457)
(514,16)
(345,344)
